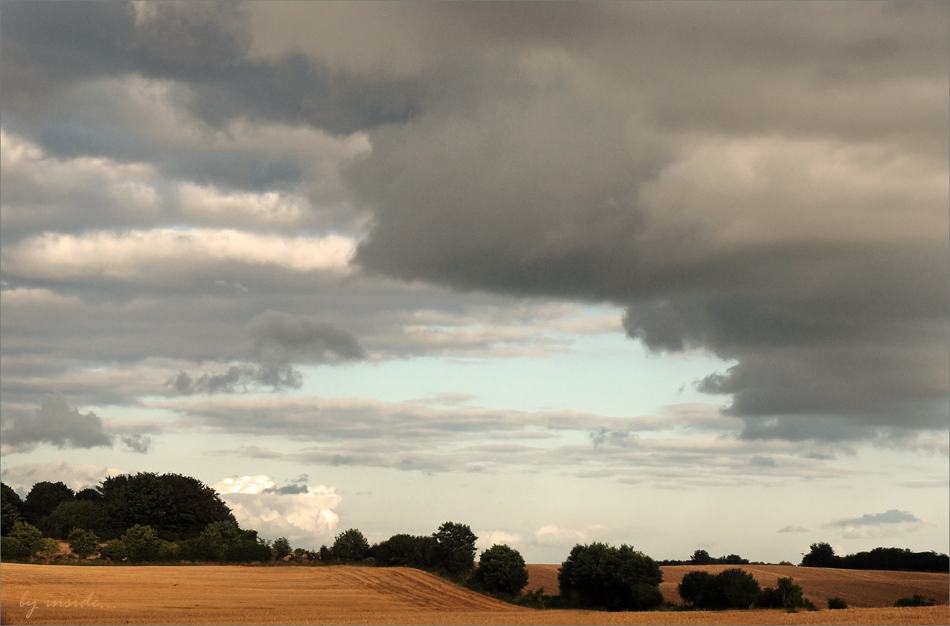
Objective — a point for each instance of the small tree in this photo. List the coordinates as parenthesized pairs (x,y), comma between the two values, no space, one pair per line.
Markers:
(350,545)
(28,535)
(787,596)
(700,557)
(915,600)
(821,555)
(84,543)
(142,543)
(837,603)
(729,589)
(281,547)
(455,551)
(501,570)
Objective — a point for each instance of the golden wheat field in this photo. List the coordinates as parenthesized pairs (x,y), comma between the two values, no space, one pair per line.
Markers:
(38,594)
(859,588)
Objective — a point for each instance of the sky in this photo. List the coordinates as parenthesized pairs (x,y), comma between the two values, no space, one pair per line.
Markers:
(675,275)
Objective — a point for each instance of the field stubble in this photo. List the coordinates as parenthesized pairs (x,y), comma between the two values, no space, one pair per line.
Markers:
(331,595)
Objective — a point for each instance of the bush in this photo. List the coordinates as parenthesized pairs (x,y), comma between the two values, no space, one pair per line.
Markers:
(282,547)
(47,549)
(616,579)
(114,551)
(12,549)
(72,514)
(83,542)
(28,535)
(501,570)
(837,603)
(142,543)
(350,545)
(915,600)
(786,596)
(729,589)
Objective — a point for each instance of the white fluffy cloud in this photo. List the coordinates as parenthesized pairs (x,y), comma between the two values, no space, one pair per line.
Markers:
(489,538)
(302,514)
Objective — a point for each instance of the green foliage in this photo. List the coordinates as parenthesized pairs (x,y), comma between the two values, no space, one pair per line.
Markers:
(216,540)
(282,547)
(837,603)
(350,545)
(729,589)
(700,557)
(142,543)
(13,550)
(72,514)
(617,579)
(455,549)
(28,535)
(83,542)
(787,596)
(915,600)
(501,570)
(43,499)
(47,549)
(114,551)
(820,555)
(11,509)
(176,506)
(406,551)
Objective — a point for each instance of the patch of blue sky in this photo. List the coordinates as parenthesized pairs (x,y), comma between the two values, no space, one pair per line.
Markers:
(606,374)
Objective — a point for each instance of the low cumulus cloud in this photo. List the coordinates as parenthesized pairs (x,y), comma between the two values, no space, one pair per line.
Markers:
(56,423)
(77,477)
(891,522)
(793,529)
(489,538)
(304,514)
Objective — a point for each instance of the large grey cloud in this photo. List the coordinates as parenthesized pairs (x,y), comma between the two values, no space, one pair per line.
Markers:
(768,184)
(57,423)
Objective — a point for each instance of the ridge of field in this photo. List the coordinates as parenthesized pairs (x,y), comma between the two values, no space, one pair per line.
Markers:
(326,595)
(859,588)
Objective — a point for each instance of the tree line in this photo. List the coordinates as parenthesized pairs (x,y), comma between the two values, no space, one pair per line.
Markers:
(895,559)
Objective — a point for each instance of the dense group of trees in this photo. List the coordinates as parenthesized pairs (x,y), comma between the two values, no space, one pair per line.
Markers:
(737,589)
(702,557)
(615,579)
(823,555)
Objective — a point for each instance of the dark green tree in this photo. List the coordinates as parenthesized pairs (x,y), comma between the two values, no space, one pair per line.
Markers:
(501,570)
(114,551)
(699,589)
(821,555)
(11,509)
(43,499)
(350,545)
(700,557)
(406,551)
(27,535)
(787,595)
(76,514)
(281,547)
(738,588)
(455,549)
(616,579)
(83,542)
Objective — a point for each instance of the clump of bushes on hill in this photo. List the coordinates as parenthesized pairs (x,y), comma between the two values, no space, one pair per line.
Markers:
(615,579)
(914,600)
(837,603)
(737,589)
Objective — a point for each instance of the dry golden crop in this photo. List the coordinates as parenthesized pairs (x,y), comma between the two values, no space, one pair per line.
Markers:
(43,594)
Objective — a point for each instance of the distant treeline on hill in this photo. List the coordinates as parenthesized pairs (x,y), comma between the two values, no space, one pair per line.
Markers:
(897,559)
(701,557)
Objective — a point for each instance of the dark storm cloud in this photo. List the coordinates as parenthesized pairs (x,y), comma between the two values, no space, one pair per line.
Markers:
(203,48)
(836,316)
(57,423)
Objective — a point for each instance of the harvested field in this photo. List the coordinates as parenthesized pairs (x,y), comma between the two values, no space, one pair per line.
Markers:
(859,588)
(326,595)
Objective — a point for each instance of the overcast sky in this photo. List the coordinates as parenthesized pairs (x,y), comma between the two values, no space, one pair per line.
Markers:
(667,274)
